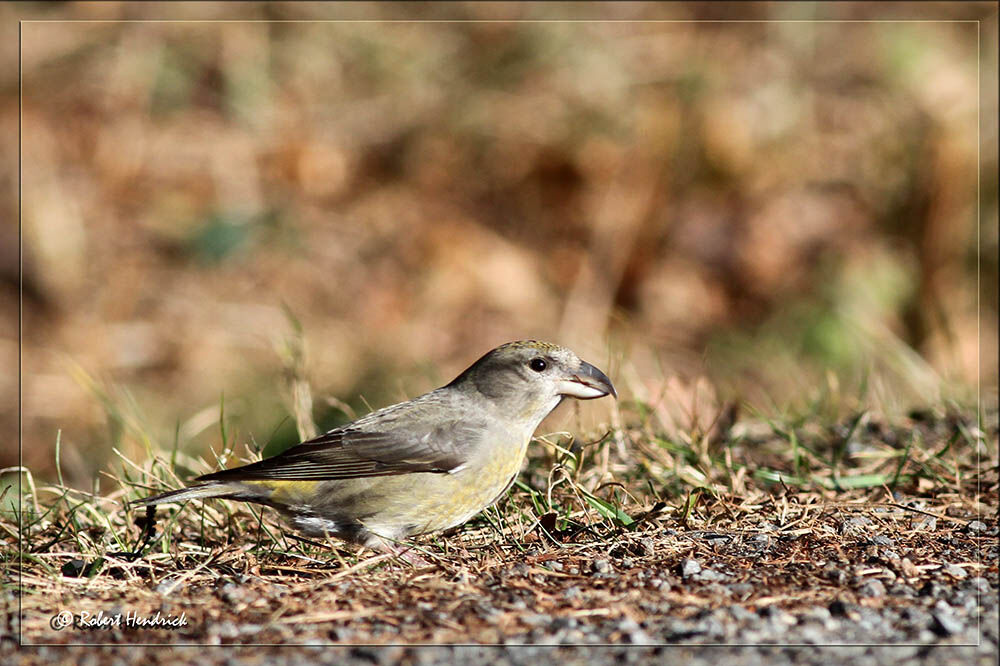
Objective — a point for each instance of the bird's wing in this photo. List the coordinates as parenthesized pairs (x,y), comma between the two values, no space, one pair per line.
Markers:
(347,453)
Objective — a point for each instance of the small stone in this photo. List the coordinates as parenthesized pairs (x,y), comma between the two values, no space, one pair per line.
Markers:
(718,539)
(489,614)
(979,584)
(872,588)
(741,614)
(915,616)
(776,615)
(869,619)
(227,629)
(536,620)
(857,523)
(689,568)
(943,606)
(340,634)
(812,635)
(600,566)
(712,626)
(882,540)
(902,590)
(945,623)
(925,523)
(816,614)
(233,594)
(976,526)
(563,623)
(835,574)
(955,571)
(709,576)
(631,629)
(640,637)
(741,590)
(966,600)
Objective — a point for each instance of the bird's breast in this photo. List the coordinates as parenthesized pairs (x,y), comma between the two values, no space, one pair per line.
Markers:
(424,502)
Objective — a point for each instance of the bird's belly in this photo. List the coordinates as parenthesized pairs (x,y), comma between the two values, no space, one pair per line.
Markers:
(419,503)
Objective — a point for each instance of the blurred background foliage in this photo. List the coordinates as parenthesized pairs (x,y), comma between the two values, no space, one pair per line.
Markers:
(781,213)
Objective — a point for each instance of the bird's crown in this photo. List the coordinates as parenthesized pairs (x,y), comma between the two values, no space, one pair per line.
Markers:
(534,344)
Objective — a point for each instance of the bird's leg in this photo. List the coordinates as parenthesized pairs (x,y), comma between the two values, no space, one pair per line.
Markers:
(410,555)
(406,553)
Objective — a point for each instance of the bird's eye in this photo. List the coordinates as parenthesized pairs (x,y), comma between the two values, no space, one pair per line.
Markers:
(538,364)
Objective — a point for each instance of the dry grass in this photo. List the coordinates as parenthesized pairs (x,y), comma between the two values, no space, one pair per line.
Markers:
(781,512)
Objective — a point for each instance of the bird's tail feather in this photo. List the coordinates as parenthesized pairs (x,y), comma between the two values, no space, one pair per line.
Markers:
(200,491)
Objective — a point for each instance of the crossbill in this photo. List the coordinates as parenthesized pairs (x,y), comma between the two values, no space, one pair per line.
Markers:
(420,466)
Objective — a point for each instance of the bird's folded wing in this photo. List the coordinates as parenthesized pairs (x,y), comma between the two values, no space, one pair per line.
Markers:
(348,453)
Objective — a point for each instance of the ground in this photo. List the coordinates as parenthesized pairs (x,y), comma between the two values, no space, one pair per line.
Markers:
(756,564)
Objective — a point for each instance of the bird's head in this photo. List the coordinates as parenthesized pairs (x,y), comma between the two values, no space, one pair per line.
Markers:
(534,376)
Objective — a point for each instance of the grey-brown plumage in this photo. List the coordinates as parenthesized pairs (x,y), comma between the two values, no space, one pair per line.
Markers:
(420,466)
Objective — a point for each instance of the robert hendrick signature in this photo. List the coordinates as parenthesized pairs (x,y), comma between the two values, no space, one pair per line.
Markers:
(127,620)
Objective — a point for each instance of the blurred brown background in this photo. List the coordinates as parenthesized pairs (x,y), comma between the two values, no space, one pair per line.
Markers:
(787,209)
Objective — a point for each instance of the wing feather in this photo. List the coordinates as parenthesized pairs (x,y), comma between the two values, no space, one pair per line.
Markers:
(348,453)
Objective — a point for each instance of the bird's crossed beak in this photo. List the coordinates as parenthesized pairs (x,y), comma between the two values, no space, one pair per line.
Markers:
(587,383)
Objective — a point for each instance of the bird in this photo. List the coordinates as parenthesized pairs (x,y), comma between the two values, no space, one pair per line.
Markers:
(421,466)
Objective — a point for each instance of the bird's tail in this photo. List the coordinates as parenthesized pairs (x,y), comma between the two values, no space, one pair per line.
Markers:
(199,491)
